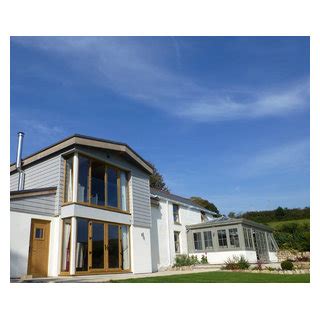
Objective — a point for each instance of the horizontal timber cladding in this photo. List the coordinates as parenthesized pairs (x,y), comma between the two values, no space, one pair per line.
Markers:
(39,175)
(48,173)
(139,189)
(42,204)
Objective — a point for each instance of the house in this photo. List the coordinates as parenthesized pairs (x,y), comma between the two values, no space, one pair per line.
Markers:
(84,206)
(181,227)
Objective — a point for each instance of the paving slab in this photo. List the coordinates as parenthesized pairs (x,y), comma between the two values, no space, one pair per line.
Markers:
(109,277)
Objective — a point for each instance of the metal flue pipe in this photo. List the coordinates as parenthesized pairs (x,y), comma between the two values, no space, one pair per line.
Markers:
(18,161)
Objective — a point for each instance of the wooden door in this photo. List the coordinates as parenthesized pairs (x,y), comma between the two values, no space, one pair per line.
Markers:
(39,248)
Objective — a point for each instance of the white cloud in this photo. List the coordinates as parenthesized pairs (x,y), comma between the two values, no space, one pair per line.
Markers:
(281,159)
(137,71)
(224,106)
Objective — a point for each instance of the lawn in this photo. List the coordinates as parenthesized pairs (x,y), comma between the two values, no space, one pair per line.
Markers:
(279,223)
(224,277)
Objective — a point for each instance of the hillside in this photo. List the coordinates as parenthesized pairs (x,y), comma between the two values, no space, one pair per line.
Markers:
(277,215)
(276,224)
(291,226)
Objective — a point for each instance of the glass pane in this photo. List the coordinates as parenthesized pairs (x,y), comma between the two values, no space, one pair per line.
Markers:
(113,246)
(197,241)
(112,187)
(97,183)
(208,240)
(176,242)
(97,245)
(248,238)
(245,234)
(39,233)
(68,180)
(175,213)
(66,245)
(234,238)
(222,238)
(83,179)
(82,245)
(123,190)
(125,247)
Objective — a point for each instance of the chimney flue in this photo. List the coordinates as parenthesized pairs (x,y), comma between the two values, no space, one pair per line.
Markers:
(18,162)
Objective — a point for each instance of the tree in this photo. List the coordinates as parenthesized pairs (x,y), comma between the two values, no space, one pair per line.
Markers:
(157,181)
(232,214)
(205,204)
(279,212)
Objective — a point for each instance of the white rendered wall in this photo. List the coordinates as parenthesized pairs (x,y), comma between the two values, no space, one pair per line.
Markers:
(223,256)
(76,210)
(20,224)
(162,232)
(140,242)
(273,257)
(159,237)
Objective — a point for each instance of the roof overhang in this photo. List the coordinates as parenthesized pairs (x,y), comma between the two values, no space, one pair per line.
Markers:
(89,142)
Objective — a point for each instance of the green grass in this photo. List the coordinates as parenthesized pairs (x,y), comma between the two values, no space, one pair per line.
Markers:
(223,277)
(275,224)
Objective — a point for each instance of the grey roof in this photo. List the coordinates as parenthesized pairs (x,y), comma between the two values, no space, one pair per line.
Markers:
(177,198)
(77,135)
(223,221)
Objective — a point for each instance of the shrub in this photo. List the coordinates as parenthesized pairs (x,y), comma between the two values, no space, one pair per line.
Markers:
(293,236)
(286,265)
(271,268)
(204,259)
(184,260)
(303,259)
(236,263)
(243,263)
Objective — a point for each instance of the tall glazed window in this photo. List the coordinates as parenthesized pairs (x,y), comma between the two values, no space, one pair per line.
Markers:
(97,183)
(123,191)
(82,245)
(112,187)
(68,180)
(84,164)
(66,243)
(125,247)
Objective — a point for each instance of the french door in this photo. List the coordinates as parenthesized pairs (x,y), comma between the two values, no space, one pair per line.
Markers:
(261,246)
(108,247)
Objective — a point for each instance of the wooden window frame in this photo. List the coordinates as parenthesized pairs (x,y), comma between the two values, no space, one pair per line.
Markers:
(89,186)
(177,233)
(233,236)
(226,237)
(63,222)
(176,213)
(211,239)
(106,269)
(198,241)
(65,179)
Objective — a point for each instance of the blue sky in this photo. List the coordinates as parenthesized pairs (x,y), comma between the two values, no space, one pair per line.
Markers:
(224,118)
